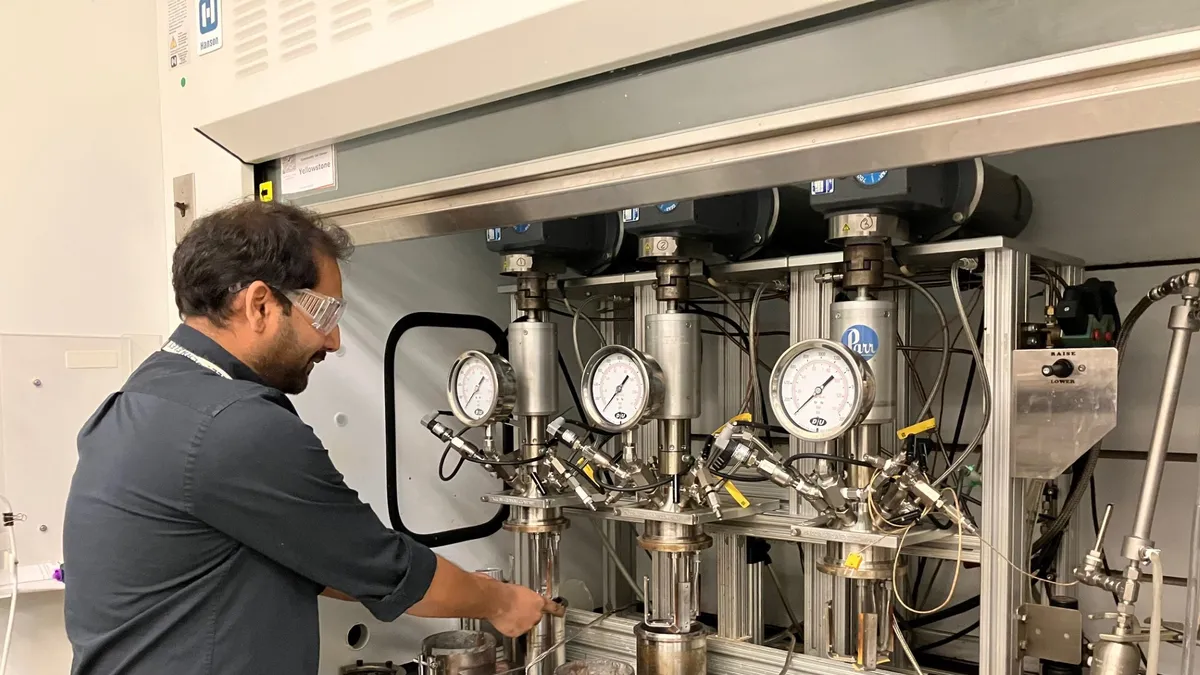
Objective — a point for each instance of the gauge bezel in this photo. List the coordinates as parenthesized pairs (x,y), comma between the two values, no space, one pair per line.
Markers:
(506,388)
(858,367)
(652,380)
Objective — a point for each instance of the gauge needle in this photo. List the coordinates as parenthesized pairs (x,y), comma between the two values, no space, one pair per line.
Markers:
(473,392)
(816,393)
(618,392)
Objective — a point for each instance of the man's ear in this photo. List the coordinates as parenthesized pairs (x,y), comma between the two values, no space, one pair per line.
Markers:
(257,302)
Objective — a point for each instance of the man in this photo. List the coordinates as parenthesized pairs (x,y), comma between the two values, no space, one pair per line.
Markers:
(204,517)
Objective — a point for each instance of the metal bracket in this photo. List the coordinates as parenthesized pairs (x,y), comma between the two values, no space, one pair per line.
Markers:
(1051,633)
(823,535)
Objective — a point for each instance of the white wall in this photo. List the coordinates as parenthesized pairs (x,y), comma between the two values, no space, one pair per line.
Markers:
(81,192)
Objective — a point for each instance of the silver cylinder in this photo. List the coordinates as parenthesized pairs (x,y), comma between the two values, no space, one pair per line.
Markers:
(533,352)
(665,653)
(1115,658)
(458,652)
(674,341)
(594,667)
(536,566)
(1160,438)
(674,443)
(868,328)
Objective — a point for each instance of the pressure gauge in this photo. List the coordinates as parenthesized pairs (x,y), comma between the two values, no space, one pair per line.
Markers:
(819,389)
(621,387)
(482,388)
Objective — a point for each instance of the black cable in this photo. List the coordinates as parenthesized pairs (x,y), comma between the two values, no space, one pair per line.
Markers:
(946,640)
(745,478)
(941,615)
(832,458)
(618,488)
(442,466)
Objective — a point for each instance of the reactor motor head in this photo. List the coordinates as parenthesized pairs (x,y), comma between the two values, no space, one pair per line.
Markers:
(965,198)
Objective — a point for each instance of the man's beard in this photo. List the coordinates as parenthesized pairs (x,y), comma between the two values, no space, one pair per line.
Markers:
(285,365)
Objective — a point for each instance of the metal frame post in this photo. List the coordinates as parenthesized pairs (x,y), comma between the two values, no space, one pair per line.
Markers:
(617,592)
(1005,300)
(809,303)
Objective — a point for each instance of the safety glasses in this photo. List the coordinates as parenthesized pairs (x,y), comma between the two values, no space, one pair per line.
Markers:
(324,311)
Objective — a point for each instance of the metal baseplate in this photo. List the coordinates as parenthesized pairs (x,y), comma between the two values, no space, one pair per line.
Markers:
(638,512)
(547,502)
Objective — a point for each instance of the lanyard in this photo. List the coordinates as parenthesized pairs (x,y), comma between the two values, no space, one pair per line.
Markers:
(173,348)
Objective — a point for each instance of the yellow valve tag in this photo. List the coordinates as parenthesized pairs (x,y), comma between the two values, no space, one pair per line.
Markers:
(737,495)
(918,428)
(266,191)
(744,417)
(854,560)
(587,468)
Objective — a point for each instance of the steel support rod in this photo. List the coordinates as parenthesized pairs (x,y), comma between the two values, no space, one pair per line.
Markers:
(1164,420)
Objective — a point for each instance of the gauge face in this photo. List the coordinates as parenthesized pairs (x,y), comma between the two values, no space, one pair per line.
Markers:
(480,388)
(620,387)
(475,388)
(818,390)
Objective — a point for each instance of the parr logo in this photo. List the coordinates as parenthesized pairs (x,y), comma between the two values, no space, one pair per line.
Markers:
(209,20)
(862,340)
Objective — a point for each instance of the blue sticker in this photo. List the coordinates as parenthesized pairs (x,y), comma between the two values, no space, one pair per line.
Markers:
(862,340)
(667,207)
(210,19)
(630,215)
(822,187)
(521,229)
(872,178)
(493,234)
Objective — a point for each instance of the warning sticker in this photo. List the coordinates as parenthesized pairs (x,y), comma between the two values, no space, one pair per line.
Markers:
(311,170)
(177,32)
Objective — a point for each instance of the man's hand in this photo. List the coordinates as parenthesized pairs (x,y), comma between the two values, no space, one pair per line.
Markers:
(517,609)
(454,593)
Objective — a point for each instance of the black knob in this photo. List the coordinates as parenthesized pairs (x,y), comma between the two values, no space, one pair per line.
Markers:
(1060,369)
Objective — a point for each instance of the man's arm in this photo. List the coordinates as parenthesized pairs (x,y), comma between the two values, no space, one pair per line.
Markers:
(262,477)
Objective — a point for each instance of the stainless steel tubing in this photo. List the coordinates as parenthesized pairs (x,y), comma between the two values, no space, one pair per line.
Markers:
(458,652)
(536,566)
(594,667)
(1191,612)
(1160,439)
(661,652)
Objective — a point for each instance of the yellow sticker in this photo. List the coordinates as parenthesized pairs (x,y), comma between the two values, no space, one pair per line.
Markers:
(854,560)
(737,494)
(918,428)
(266,191)
(587,468)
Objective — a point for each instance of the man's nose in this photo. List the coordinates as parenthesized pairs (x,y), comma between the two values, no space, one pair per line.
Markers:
(333,341)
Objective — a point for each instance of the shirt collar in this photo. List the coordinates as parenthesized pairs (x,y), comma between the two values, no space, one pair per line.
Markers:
(205,347)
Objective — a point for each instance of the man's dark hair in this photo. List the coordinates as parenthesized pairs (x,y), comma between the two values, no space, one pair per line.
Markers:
(229,249)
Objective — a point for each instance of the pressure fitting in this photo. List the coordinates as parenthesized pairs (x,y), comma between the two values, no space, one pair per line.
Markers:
(559,431)
(769,465)
(465,448)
